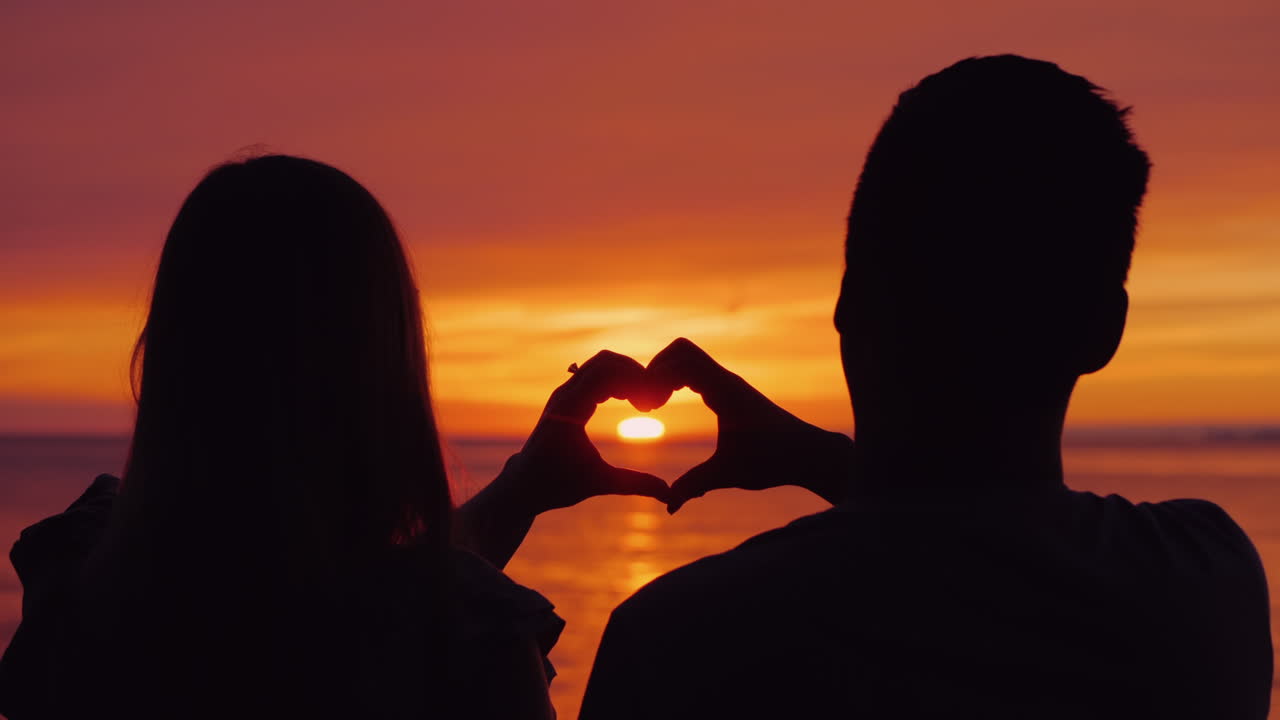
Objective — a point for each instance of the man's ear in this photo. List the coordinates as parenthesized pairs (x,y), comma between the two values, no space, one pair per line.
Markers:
(843,310)
(1101,331)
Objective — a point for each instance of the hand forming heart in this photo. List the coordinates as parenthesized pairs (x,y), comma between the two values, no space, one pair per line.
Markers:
(759,445)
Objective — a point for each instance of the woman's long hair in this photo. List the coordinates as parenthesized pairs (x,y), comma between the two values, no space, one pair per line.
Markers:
(284,424)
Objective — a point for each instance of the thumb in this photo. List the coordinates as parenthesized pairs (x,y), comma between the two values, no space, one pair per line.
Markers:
(633,482)
(696,483)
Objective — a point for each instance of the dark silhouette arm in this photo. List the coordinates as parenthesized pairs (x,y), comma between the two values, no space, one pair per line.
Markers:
(494,523)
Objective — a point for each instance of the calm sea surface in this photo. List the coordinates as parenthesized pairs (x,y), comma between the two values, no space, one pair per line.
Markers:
(589,558)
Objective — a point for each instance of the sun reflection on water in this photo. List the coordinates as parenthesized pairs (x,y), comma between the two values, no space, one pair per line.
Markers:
(639,542)
(639,574)
(642,520)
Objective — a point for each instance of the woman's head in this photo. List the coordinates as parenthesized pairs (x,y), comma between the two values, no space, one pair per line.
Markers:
(284,432)
(281,376)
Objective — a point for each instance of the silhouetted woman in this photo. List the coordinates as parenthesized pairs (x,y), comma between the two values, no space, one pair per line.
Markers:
(282,544)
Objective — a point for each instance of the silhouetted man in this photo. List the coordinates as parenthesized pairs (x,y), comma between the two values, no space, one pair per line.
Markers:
(988,246)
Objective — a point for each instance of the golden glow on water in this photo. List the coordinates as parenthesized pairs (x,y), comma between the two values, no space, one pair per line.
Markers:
(640,429)
(639,574)
(642,520)
(639,541)
(640,538)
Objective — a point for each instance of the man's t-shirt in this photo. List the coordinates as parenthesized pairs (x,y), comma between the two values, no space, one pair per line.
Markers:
(1055,605)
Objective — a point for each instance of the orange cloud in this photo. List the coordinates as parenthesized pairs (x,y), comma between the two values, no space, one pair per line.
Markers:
(576,175)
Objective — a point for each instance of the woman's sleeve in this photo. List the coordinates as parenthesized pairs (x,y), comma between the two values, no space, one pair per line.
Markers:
(59,544)
(46,558)
(491,604)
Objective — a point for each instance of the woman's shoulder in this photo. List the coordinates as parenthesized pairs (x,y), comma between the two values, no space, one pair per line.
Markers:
(474,607)
(489,606)
(483,602)
(59,544)
(484,594)
(47,558)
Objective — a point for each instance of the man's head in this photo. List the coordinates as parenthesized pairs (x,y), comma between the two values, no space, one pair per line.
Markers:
(990,235)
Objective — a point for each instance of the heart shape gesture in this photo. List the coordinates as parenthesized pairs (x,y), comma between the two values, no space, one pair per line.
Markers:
(759,445)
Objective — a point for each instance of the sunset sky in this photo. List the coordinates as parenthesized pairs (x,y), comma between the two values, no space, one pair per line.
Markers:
(586,174)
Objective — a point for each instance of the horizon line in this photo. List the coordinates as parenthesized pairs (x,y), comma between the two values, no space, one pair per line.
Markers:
(1266,432)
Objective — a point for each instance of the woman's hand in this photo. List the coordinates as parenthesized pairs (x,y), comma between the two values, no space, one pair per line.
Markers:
(558,466)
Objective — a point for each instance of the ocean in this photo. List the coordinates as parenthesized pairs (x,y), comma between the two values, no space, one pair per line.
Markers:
(588,558)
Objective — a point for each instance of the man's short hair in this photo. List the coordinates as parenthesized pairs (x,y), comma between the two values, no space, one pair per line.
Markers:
(999,171)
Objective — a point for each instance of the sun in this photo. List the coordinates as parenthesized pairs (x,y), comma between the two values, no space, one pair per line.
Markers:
(641,428)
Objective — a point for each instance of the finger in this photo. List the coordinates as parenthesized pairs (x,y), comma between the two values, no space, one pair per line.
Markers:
(633,482)
(696,483)
(684,364)
(680,364)
(607,374)
(650,395)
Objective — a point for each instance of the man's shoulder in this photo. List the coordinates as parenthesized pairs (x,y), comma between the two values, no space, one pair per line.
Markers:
(1180,522)
(1202,514)
(751,570)
(865,592)
(838,539)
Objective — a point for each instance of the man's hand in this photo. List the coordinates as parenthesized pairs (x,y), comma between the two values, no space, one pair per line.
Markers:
(759,445)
